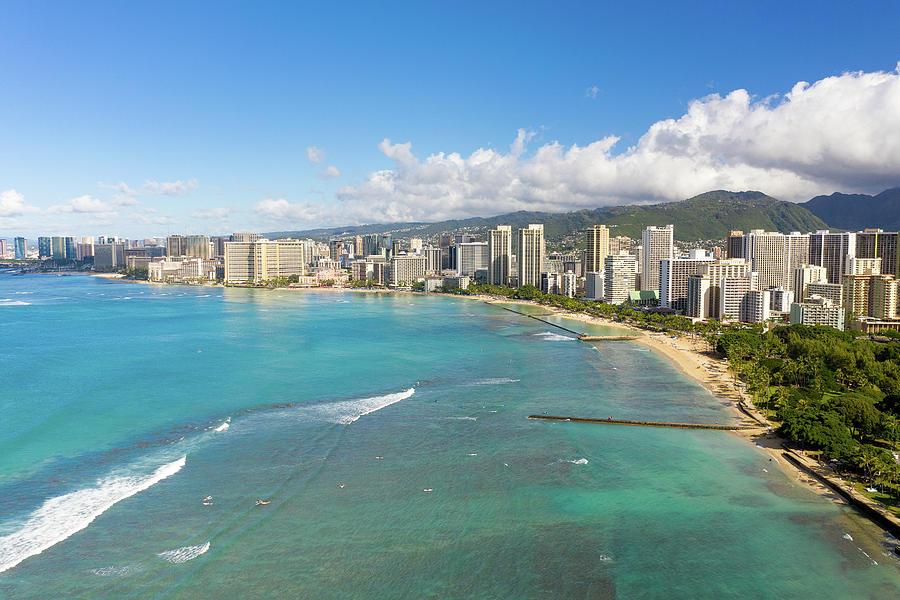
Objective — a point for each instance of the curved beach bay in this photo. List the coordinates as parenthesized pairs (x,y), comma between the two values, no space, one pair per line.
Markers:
(125,405)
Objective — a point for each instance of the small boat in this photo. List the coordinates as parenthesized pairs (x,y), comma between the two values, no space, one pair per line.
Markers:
(207,499)
(262,502)
(427,490)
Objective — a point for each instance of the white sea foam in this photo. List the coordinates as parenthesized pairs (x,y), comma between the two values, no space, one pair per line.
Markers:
(224,425)
(61,517)
(348,411)
(554,337)
(24,292)
(495,381)
(11,302)
(113,571)
(184,554)
(577,461)
(464,418)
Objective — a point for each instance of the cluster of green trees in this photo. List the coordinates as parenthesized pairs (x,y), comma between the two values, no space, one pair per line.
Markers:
(140,273)
(830,390)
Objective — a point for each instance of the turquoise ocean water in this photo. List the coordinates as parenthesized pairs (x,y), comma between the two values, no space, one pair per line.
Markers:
(123,405)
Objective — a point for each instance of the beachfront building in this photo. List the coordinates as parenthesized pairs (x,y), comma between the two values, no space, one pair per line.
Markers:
(21,247)
(619,278)
(673,278)
(658,244)
(597,249)
(817,310)
(703,291)
(263,260)
(832,251)
(531,255)
(736,301)
(499,253)
(550,283)
(432,260)
(593,285)
(109,256)
(471,257)
(406,269)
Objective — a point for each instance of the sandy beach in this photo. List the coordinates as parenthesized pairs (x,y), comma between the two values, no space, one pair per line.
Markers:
(693,357)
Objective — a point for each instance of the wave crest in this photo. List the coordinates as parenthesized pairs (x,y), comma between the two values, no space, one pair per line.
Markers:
(61,517)
(184,554)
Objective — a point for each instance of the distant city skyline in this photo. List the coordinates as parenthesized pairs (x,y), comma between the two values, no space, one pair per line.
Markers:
(160,119)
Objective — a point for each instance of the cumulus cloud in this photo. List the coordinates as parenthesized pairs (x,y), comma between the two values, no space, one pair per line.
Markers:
(123,195)
(12,204)
(592,92)
(218,213)
(81,205)
(279,210)
(330,173)
(169,188)
(839,133)
(315,155)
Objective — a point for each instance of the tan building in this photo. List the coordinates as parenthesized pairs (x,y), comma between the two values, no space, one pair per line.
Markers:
(531,255)
(263,260)
(406,269)
(597,249)
(499,255)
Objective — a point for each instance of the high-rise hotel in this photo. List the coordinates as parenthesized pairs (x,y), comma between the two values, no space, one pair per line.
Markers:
(659,244)
(597,249)
(499,253)
(531,255)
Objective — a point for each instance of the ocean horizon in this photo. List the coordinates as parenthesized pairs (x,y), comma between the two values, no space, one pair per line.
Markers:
(388,436)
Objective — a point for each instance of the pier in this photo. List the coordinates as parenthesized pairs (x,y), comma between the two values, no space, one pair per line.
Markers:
(639,423)
(584,337)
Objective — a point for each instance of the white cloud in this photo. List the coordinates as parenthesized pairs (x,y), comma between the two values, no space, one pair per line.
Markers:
(123,195)
(315,155)
(280,210)
(82,205)
(217,213)
(330,173)
(12,204)
(592,92)
(169,188)
(839,133)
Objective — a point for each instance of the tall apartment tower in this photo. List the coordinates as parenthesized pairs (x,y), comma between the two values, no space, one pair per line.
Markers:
(619,279)
(674,275)
(659,244)
(832,250)
(734,245)
(805,275)
(21,247)
(875,243)
(531,255)
(499,251)
(597,248)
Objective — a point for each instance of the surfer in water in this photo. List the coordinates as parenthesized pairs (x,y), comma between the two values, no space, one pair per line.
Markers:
(262,502)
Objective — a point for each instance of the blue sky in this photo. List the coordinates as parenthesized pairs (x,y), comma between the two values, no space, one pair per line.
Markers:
(202,114)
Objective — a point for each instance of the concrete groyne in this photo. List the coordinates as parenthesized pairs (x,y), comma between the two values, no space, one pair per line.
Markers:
(611,421)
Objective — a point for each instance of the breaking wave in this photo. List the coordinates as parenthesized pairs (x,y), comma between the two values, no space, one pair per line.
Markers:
(184,554)
(61,517)
(11,302)
(495,381)
(348,411)
(554,337)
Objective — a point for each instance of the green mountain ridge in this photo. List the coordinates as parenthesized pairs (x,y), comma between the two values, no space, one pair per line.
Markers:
(858,211)
(706,216)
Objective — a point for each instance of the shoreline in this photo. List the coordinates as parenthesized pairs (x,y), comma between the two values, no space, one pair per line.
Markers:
(688,357)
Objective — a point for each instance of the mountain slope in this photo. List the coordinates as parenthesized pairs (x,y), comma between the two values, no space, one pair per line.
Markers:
(858,211)
(707,216)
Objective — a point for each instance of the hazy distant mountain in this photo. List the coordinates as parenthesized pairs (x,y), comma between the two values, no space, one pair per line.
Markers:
(858,211)
(707,216)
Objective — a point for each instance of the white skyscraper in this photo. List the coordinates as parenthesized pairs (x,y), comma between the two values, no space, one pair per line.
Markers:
(619,277)
(658,244)
(531,255)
